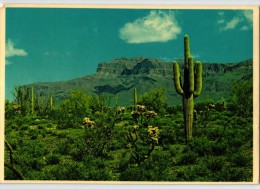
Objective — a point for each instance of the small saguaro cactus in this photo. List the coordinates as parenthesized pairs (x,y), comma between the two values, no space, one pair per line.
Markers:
(51,102)
(135,98)
(191,87)
(32,100)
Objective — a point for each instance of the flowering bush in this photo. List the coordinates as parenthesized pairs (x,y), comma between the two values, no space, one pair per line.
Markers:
(153,133)
(88,122)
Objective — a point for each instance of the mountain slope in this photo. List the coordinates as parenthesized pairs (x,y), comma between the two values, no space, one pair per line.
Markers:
(121,76)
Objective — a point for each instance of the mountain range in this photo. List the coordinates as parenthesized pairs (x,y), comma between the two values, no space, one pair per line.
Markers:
(121,76)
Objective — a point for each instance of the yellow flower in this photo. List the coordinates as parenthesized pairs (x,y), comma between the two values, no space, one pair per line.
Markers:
(150,114)
(88,122)
(140,108)
(135,114)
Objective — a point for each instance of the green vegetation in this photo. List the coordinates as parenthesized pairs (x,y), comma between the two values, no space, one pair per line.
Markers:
(86,138)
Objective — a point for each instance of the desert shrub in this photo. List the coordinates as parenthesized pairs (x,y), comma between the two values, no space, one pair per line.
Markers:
(176,149)
(219,148)
(132,174)
(187,157)
(62,146)
(119,141)
(152,169)
(97,169)
(167,136)
(70,112)
(216,132)
(235,142)
(241,159)
(154,100)
(14,142)
(37,164)
(77,149)
(173,109)
(202,146)
(232,174)
(100,137)
(203,105)
(41,127)
(10,112)
(192,173)
(24,127)
(49,125)
(33,133)
(52,159)
(215,163)
(242,97)
(67,170)
(22,99)
(61,135)
(100,103)
(17,122)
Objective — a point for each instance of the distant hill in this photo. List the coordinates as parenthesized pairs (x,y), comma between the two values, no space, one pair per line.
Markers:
(121,76)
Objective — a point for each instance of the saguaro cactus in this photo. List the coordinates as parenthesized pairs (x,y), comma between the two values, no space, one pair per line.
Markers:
(135,98)
(32,100)
(191,87)
(51,102)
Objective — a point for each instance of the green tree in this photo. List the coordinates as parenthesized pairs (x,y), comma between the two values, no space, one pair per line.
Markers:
(100,103)
(154,100)
(22,99)
(242,97)
(72,110)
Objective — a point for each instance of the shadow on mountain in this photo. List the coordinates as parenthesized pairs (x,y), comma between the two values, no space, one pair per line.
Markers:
(111,89)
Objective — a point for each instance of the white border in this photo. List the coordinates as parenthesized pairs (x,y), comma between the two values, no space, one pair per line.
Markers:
(143,4)
(138,2)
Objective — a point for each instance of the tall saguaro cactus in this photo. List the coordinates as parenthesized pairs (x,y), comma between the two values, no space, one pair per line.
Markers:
(191,86)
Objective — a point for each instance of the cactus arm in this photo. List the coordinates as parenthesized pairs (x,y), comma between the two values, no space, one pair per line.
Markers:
(191,74)
(198,79)
(177,78)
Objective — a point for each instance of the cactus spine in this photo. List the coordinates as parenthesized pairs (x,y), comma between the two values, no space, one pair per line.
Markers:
(191,87)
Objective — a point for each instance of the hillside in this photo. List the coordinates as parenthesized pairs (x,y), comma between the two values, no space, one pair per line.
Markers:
(121,76)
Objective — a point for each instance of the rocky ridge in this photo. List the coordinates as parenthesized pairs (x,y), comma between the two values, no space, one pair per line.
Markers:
(121,76)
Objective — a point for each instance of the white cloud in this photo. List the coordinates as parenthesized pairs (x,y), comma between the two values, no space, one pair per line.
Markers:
(158,26)
(248,15)
(221,21)
(242,19)
(232,23)
(245,28)
(221,13)
(10,50)
(50,53)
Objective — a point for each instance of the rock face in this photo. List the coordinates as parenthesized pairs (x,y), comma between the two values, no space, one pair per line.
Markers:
(155,67)
(135,66)
(121,76)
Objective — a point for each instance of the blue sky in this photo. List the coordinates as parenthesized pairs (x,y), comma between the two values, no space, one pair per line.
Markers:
(51,44)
